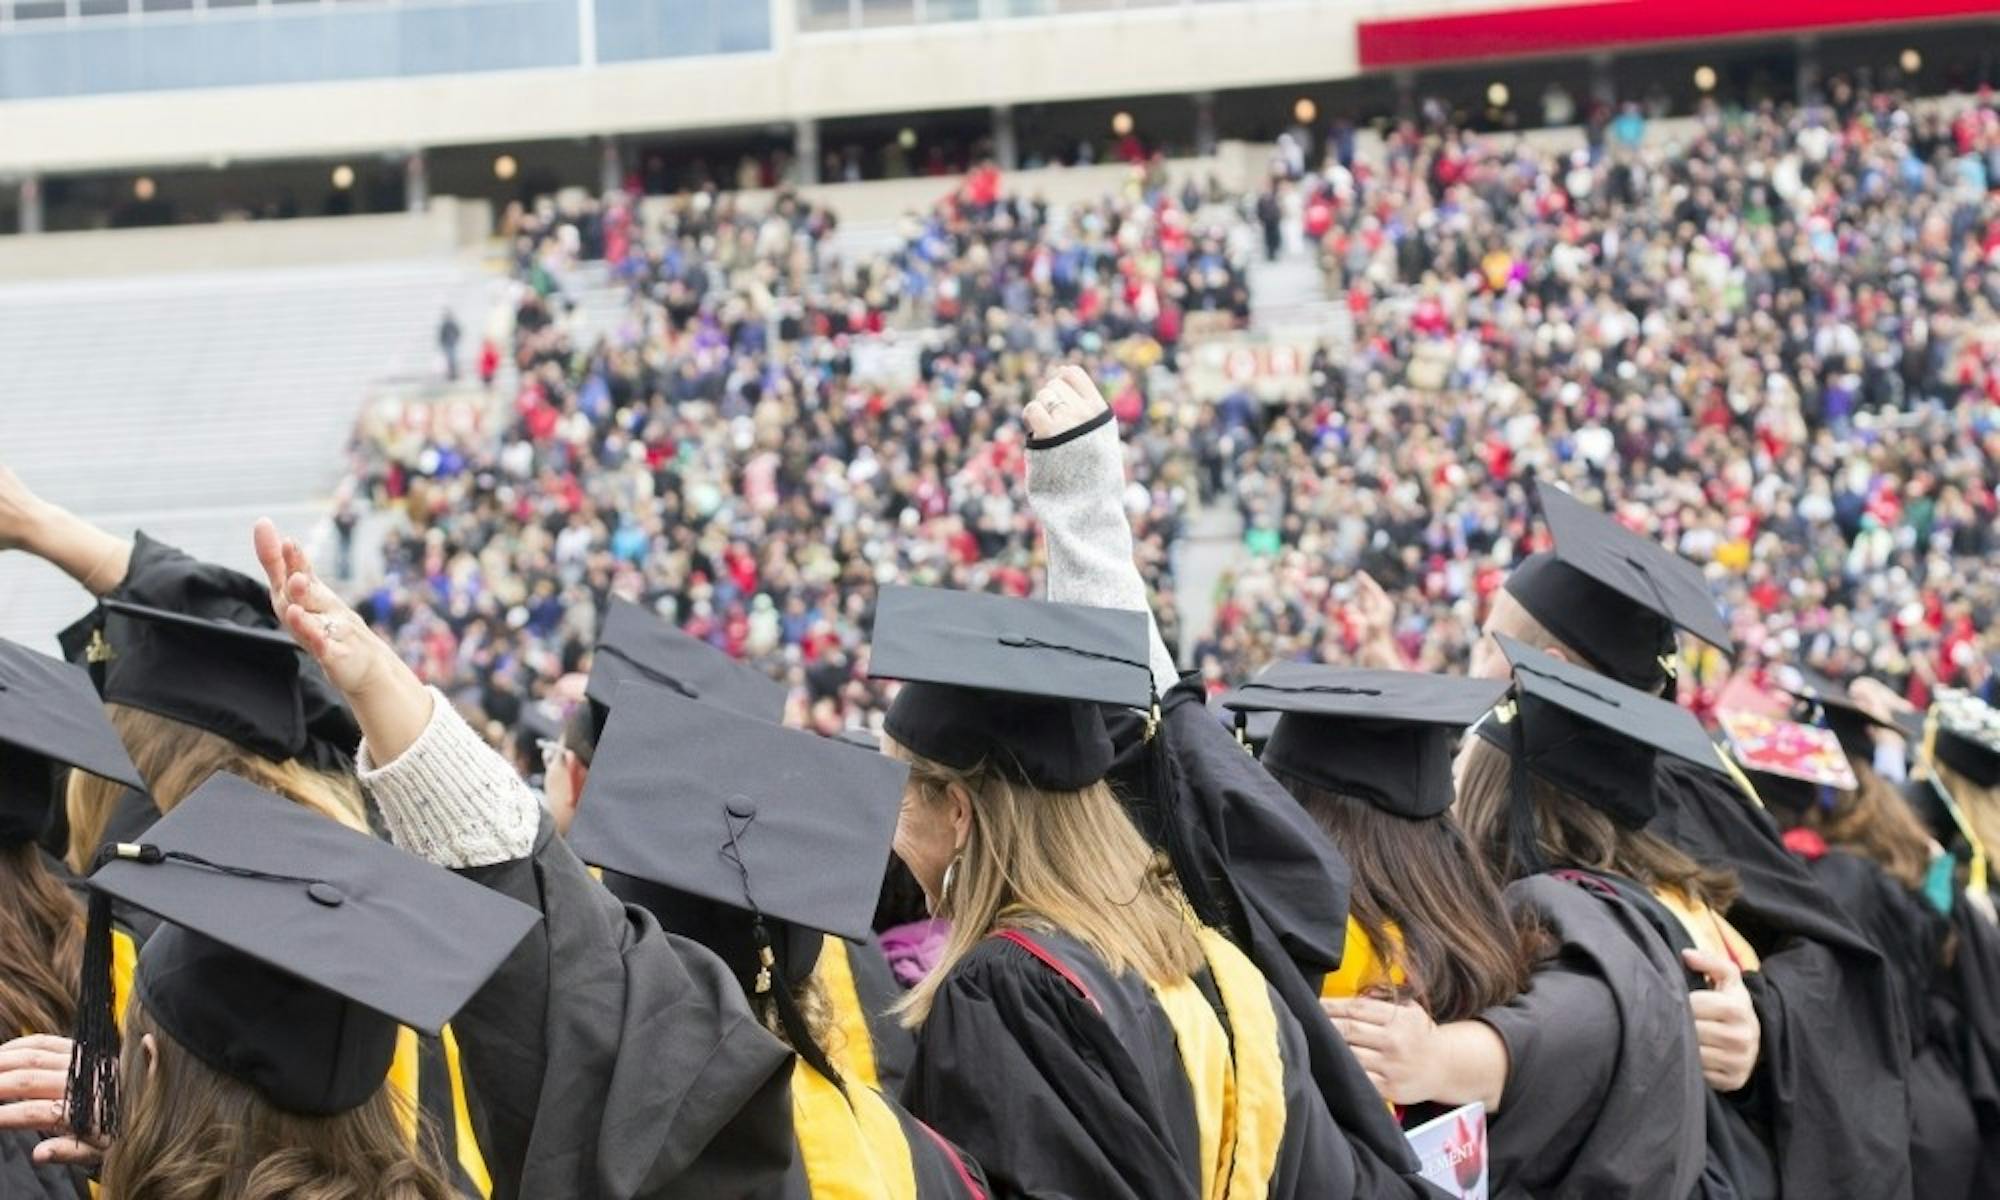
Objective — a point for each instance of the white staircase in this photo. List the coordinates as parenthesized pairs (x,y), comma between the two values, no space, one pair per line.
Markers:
(189,405)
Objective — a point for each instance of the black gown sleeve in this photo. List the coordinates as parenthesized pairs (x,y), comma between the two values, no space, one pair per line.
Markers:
(1604,1095)
(611,1061)
(1967,1018)
(1829,1087)
(1283,887)
(22,1179)
(1944,1135)
(1016,1067)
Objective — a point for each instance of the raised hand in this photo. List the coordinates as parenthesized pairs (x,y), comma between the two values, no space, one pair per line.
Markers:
(1066,400)
(391,704)
(318,620)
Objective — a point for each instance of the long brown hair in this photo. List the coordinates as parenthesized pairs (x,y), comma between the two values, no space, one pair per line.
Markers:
(1453,939)
(1874,822)
(175,758)
(1070,861)
(1571,833)
(193,1133)
(41,943)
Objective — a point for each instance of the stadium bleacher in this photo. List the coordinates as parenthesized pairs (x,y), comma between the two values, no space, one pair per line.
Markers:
(133,401)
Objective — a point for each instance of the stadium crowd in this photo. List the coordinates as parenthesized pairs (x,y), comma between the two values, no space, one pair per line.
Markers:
(721,456)
(1771,344)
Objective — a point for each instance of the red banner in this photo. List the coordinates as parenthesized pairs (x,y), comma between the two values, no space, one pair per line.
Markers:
(1569,28)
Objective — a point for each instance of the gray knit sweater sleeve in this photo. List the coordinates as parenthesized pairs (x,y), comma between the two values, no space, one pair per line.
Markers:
(1076,488)
(449,799)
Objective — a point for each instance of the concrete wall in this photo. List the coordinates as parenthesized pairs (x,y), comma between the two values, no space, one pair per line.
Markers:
(450,226)
(1174,49)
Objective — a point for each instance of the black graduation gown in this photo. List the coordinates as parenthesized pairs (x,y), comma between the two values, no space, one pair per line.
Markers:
(1066,1080)
(1604,1092)
(1258,869)
(1944,1135)
(22,1179)
(611,1061)
(1828,1093)
(1966,1013)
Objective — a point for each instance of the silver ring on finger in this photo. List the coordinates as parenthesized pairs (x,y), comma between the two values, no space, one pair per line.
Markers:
(329,628)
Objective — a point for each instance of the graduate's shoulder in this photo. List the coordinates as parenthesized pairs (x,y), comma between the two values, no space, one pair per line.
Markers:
(1031,963)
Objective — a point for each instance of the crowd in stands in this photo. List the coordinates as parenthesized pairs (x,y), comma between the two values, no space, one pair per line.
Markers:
(768,434)
(1771,342)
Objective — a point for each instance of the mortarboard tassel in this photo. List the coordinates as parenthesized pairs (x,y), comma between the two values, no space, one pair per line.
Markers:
(92,1094)
(772,980)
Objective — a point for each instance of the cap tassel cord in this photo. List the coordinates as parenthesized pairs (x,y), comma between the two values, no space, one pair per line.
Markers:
(771,977)
(91,1097)
(656,676)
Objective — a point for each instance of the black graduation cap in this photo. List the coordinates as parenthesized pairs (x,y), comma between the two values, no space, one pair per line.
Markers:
(860,738)
(1385,737)
(198,643)
(1592,736)
(636,644)
(753,839)
(1017,682)
(293,948)
(50,719)
(1823,701)
(1613,596)
(1968,736)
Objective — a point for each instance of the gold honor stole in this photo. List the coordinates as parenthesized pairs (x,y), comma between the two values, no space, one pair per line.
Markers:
(1239,1089)
(851,1144)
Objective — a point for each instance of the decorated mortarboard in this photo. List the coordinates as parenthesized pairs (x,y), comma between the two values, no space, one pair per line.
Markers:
(1014,683)
(1614,596)
(1968,736)
(1385,737)
(636,644)
(292,948)
(753,839)
(50,720)
(1807,755)
(198,643)
(1592,736)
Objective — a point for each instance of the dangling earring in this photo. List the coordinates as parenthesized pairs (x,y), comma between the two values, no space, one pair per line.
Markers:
(950,875)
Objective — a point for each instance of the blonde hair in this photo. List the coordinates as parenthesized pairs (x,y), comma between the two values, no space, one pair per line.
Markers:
(1066,861)
(1571,833)
(193,1133)
(1981,805)
(175,758)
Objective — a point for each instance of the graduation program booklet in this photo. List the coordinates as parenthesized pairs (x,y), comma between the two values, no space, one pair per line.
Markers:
(1452,1149)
